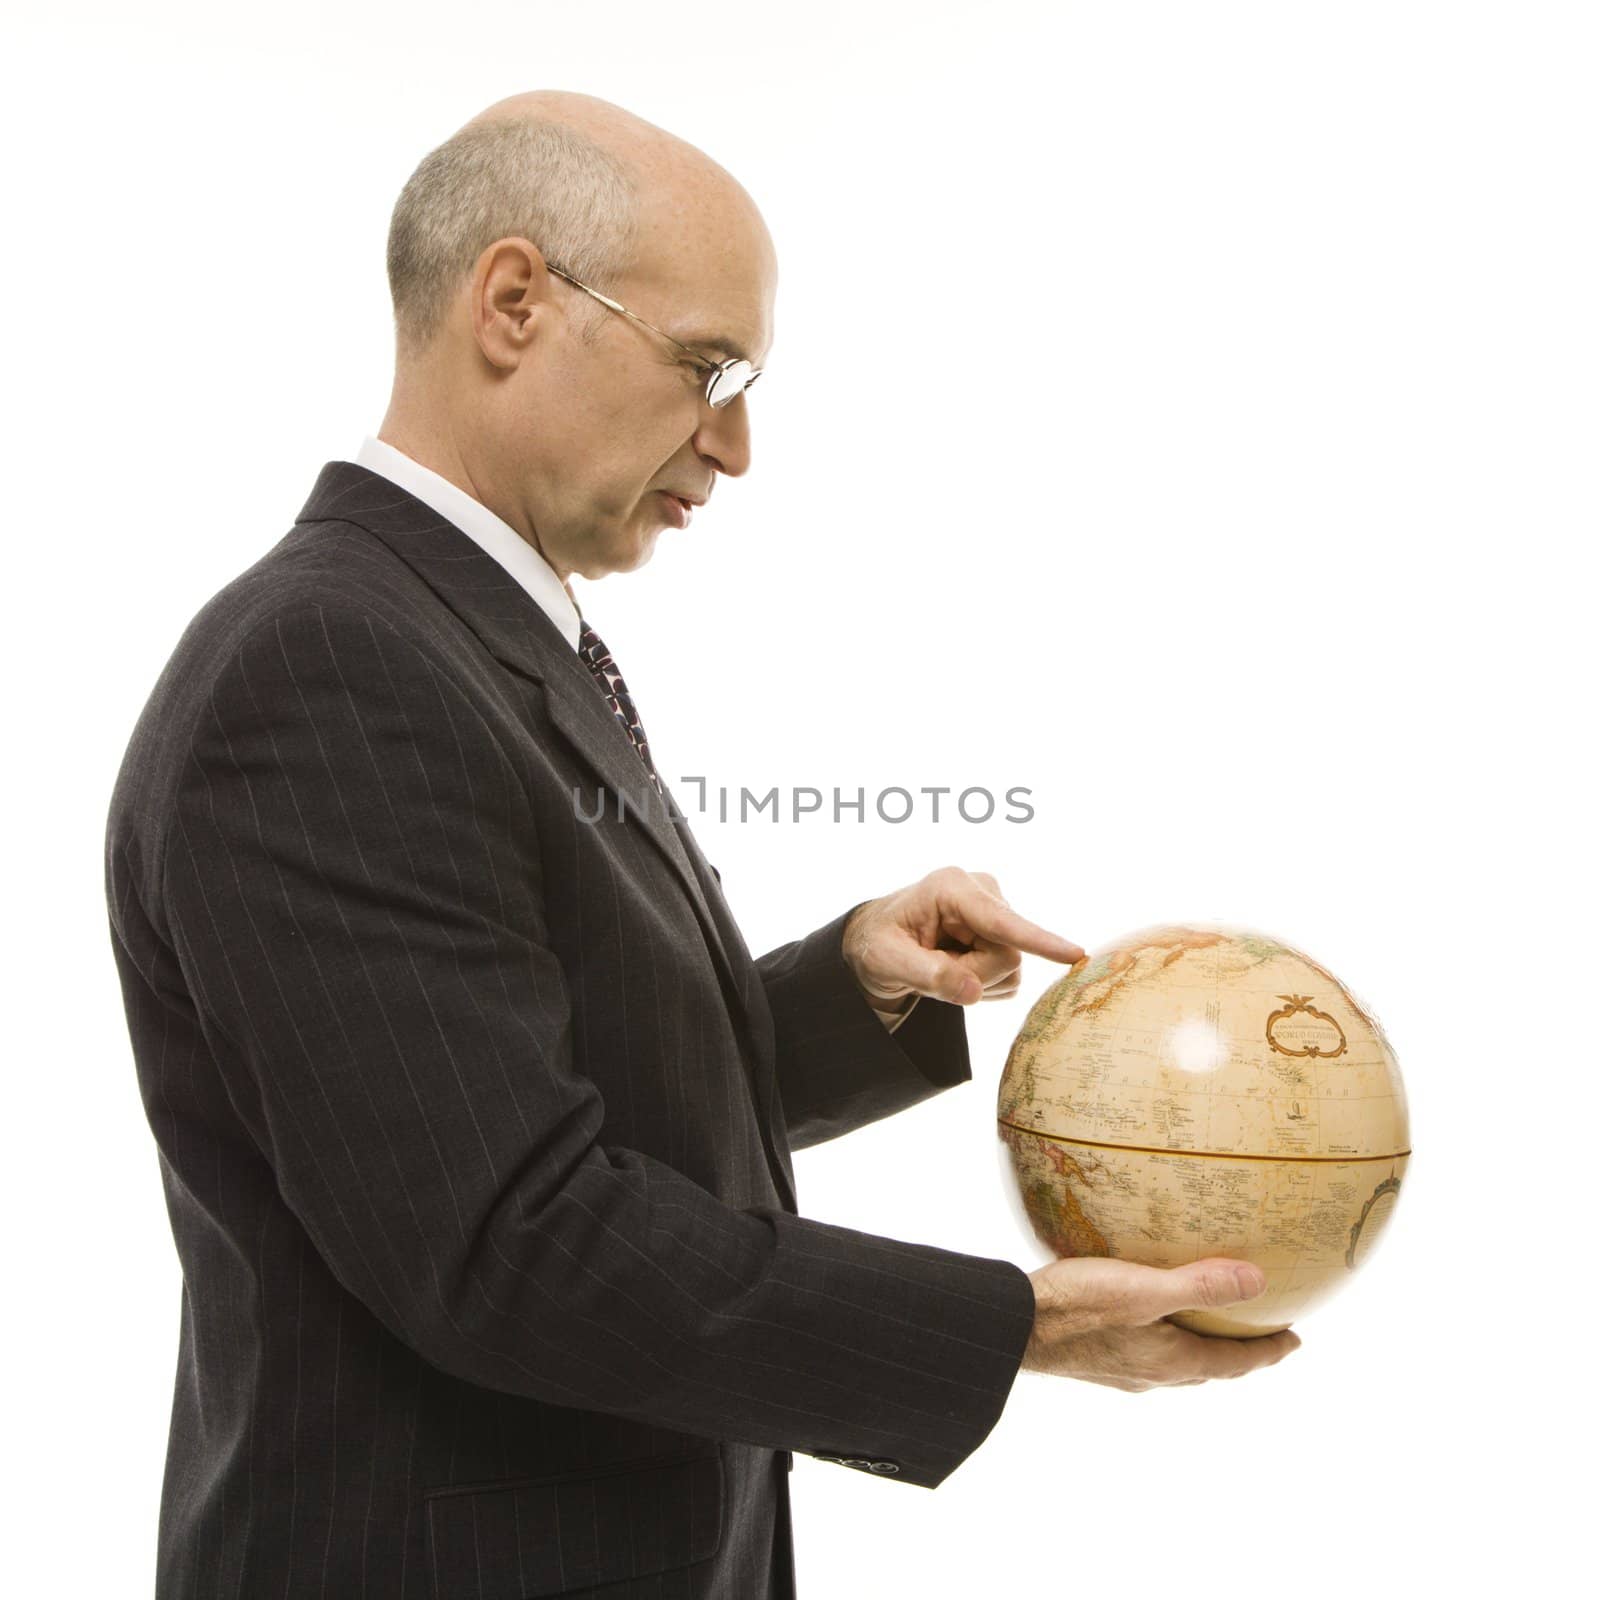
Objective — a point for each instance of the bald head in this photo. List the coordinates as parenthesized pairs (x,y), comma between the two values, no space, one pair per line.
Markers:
(641,145)
(603,193)
(662,166)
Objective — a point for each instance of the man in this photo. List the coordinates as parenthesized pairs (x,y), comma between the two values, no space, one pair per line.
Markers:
(474,1113)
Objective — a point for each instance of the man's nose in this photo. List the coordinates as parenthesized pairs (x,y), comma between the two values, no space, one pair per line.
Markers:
(723,437)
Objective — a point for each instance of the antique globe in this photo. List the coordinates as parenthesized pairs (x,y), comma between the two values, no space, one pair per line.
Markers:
(1195,1090)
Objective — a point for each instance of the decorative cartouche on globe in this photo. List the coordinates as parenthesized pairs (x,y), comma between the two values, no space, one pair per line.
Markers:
(1195,1090)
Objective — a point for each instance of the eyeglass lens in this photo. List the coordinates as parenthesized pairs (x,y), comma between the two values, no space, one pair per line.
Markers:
(729,382)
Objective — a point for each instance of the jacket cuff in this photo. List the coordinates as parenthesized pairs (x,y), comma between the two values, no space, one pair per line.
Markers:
(839,1067)
(970,1316)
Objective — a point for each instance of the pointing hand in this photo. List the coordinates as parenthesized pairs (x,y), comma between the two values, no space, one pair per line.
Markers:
(950,936)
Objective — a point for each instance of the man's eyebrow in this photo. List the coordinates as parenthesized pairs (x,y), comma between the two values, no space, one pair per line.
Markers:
(716,342)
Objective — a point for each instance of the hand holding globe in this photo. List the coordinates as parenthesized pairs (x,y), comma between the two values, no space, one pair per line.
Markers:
(1101,1320)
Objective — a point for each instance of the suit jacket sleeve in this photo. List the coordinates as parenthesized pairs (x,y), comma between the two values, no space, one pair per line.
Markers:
(839,1067)
(351,888)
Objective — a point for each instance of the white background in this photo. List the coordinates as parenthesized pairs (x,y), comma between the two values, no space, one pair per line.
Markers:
(1187,411)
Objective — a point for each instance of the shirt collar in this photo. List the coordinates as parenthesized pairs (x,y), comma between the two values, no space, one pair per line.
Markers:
(492,534)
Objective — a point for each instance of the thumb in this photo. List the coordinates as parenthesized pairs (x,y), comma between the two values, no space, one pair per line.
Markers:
(1084,1292)
(1213,1281)
(942,976)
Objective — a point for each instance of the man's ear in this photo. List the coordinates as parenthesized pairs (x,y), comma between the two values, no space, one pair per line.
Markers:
(511,301)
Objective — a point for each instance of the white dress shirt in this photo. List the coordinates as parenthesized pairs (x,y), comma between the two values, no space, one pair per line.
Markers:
(499,539)
(494,536)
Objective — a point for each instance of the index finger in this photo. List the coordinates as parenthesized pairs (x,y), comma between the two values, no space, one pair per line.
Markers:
(990,916)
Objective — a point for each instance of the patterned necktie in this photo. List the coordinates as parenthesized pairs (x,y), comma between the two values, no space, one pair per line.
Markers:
(598,660)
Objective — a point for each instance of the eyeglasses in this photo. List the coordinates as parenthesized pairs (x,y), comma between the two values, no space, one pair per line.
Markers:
(727,380)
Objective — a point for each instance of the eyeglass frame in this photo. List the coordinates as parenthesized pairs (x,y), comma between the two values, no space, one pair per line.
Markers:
(715,368)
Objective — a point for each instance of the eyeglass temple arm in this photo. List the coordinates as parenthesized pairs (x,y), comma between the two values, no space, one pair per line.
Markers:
(606,300)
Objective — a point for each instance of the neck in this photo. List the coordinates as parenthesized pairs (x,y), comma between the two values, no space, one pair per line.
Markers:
(428,434)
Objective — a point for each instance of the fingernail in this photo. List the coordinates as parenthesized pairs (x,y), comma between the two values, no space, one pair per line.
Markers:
(1250,1282)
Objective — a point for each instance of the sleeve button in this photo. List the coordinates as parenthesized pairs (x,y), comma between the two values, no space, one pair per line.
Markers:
(863,1463)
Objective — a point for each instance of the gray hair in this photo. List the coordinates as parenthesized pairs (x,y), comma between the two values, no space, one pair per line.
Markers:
(524,178)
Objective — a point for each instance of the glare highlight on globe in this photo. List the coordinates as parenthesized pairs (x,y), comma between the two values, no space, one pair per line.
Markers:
(1196,1046)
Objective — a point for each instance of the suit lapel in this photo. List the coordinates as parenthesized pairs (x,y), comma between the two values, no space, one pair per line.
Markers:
(516,631)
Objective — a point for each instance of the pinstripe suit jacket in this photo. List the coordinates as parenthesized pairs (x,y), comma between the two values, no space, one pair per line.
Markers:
(474,1118)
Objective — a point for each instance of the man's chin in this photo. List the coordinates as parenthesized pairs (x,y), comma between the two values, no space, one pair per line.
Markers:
(621,558)
(643,548)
